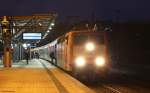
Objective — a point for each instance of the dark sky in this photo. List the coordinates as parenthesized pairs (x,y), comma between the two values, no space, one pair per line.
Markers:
(104,9)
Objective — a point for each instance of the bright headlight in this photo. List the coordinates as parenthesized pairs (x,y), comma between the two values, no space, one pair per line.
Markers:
(100,61)
(90,46)
(80,61)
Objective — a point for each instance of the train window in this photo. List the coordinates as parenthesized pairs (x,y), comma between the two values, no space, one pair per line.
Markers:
(66,40)
(80,39)
(61,40)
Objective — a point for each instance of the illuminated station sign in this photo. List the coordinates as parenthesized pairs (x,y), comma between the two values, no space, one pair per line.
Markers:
(32,36)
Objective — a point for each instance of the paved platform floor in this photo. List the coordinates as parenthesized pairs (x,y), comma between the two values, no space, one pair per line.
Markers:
(38,76)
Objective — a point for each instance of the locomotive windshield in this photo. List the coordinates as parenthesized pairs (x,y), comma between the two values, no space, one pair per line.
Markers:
(82,38)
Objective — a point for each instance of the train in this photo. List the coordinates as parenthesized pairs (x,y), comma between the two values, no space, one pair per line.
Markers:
(79,52)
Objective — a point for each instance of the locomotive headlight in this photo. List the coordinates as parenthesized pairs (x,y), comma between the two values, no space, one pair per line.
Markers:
(90,46)
(80,61)
(100,61)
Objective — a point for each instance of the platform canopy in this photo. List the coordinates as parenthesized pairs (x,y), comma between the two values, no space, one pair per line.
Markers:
(36,23)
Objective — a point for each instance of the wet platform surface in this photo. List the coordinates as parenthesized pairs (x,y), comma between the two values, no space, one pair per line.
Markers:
(38,76)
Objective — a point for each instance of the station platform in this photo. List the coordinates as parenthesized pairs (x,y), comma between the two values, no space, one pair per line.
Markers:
(38,76)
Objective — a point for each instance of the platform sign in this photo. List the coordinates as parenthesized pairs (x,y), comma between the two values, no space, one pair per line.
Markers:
(32,36)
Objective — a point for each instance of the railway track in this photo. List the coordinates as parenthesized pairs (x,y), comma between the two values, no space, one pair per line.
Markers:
(113,90)
(107,89)
(121,86)
(117,85)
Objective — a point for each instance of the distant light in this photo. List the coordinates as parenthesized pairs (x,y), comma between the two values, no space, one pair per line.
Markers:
(28,45)
(52,24)
(40,24)
(24,45)
(12,46)
(48,31)
(15,45)
(14,24)
(50,28)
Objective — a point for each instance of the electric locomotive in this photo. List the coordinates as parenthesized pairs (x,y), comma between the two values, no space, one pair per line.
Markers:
(79,52)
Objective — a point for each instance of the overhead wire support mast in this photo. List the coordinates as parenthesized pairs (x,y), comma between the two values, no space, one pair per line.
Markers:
(7,36)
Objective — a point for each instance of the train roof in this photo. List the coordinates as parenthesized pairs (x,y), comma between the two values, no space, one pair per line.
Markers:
(68,33)
(84,31)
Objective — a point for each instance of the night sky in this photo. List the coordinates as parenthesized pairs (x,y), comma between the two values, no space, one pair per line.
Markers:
(102,9)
